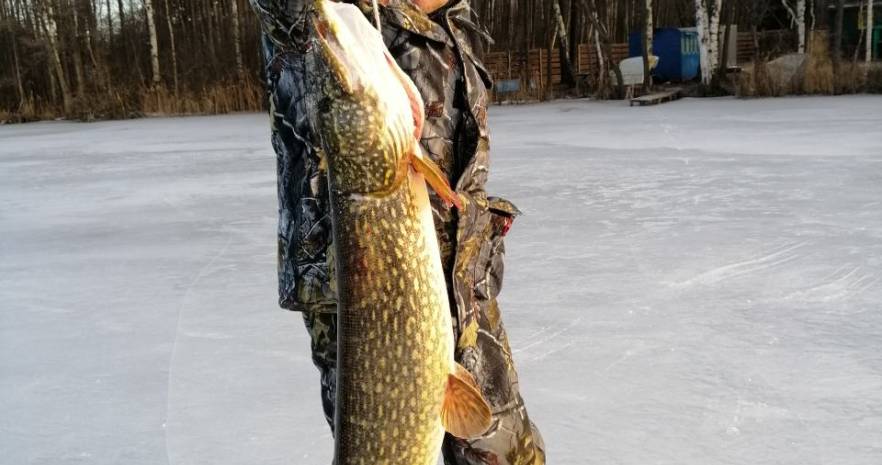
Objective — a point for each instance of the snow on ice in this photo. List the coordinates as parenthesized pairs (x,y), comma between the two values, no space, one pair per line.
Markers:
(695,283)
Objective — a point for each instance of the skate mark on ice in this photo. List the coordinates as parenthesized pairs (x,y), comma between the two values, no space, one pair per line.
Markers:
(846,282)
(630,352)
(555,350)
(201,274)
(535,335)
(764,262)
(549,337)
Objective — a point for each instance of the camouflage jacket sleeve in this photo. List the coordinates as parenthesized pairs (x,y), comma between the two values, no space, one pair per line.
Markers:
(282,21)
(304,230)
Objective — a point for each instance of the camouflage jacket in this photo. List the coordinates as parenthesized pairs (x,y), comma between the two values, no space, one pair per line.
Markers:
(442,54)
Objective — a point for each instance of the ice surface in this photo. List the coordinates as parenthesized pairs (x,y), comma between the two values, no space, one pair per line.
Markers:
(695,283)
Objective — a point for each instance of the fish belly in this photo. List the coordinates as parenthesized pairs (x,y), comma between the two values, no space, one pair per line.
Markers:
(395,338)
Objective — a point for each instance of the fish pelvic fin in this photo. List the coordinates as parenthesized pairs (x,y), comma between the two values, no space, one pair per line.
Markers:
(465,413)
(434,177)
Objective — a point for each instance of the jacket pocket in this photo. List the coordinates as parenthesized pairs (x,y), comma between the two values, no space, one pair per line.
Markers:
(491,259)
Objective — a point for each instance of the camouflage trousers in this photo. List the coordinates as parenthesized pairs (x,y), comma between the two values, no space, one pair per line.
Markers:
(512,439)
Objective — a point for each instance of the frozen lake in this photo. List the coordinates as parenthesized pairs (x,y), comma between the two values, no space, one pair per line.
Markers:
(697,283)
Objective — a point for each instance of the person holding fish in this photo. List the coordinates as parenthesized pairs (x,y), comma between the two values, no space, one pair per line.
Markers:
(397,282)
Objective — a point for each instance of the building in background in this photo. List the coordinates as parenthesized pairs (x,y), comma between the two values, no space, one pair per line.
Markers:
(854,23)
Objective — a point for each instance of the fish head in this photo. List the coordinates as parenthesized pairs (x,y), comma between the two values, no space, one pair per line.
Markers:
(368,112)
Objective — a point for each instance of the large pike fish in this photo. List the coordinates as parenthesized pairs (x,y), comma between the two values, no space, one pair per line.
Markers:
(398,386)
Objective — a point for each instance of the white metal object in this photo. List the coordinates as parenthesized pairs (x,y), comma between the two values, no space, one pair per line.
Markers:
(632,70)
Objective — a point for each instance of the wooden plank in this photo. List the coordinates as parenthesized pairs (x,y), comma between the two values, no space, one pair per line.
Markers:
(657,97)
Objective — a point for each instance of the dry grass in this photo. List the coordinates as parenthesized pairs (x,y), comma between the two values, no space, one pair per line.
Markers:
(224,97)
(850,79)
(874,79)
(818,77)
(29,110)
(755,80)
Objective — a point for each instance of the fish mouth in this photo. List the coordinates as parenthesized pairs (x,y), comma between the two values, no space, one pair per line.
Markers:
(356,58)
(336,42)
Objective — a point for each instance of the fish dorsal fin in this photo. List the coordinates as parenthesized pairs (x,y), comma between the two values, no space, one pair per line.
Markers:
(465,413)
(434,177)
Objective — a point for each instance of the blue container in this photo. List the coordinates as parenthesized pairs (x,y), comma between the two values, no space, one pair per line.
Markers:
(677,51)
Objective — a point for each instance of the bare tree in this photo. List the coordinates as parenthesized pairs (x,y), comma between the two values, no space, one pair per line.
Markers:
(837,35)
(50,30)
(707,22)
(800,24)
(604,47)
(154,43)
(170,20)
(567,73)
(77,58)
(240,69)
(796,11)
(868,56)
(17,67)
(647,37)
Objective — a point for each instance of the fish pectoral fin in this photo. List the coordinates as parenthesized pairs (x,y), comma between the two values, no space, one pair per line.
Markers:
(465,413)
(434,177)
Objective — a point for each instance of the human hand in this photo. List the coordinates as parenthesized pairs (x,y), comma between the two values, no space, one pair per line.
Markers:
(427,6)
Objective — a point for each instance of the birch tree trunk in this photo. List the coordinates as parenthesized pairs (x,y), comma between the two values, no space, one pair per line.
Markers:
(605,46)
(800,24)
(868,56)
(154,42)
(602,75)
(797,17)
(109,25)
(811,23)
(77,58)
(171,36)
(714,30)
(810,7)
(561,27)
(100,68)
(240,70)
(650,27)
(647,43)
(18,84)
(701,25)
(707,22)
(51,32)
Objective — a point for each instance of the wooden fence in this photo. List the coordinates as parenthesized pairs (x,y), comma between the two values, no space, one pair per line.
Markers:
(531,70)
(771,43)
(534,72)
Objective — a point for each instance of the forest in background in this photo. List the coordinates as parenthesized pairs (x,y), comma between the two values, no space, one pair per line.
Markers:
(91,59)
(124,58)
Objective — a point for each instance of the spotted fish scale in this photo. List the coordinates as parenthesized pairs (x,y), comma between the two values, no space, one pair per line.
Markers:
(398,385)
(394,326)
